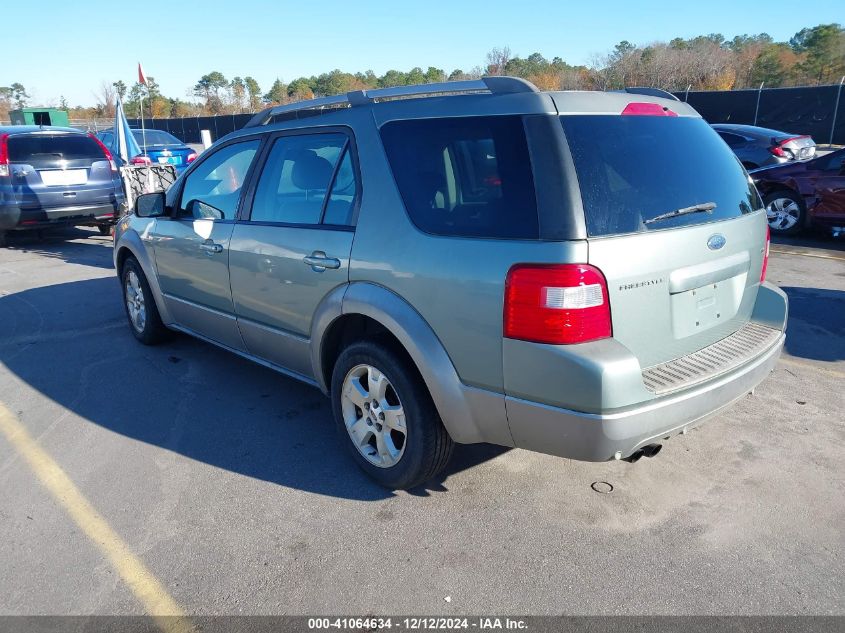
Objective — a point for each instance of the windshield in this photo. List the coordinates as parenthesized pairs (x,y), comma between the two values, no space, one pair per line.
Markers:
(632,169)
(155,137)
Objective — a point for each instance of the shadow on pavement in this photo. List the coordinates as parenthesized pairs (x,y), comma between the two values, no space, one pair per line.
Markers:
(816,323)
(62,243)
(70,342)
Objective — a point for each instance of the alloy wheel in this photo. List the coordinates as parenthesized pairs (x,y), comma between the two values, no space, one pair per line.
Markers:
(373,416)
(783,214)
(135,301)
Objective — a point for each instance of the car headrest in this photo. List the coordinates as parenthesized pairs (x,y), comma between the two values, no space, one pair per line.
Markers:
(311,171)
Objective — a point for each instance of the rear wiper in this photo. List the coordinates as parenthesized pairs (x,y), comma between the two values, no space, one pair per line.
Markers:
(704,207)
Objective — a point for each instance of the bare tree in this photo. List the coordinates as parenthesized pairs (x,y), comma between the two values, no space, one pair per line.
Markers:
(497,59)
(105,96)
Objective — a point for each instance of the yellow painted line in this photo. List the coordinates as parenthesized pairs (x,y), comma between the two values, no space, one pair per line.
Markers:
(131,569)
(798,363)
(817,255)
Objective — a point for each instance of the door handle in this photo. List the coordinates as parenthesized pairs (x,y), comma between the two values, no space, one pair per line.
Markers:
(211,247)
(319,261)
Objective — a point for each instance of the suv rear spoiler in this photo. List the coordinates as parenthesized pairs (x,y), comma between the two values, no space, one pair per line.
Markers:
(491,85)
(651,92)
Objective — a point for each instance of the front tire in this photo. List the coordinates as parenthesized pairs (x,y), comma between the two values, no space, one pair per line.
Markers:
(144,319)
(104,229)
(2,239)
(785,212)
(386,417)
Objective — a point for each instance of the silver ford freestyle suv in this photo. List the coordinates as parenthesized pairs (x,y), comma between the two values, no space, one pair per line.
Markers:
(576,273)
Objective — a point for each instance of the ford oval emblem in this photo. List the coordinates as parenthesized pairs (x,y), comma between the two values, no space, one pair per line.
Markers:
(716,242)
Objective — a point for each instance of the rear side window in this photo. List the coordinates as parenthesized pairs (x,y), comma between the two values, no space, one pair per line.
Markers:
(468,176)
(632,169)
(155,137)
(733,140)
(42,150)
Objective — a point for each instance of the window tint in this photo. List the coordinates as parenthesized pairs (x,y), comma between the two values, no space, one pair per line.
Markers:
(633,168)
(342,197)
(468,176)
(213,189)
(155,137)
(731,139)
(836,162)
(41,150)
(296,179)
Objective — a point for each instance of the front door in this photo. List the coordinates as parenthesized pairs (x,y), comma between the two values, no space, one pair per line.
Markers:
(192,246)
(293,248)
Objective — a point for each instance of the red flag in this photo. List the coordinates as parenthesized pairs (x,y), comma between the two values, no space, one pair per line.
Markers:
(142,79)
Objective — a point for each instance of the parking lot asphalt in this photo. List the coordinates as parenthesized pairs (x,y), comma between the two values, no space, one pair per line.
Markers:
(223,486)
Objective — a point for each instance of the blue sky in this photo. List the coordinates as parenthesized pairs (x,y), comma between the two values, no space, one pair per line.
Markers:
(78,46)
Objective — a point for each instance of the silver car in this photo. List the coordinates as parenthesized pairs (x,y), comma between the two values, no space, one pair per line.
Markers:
(471,262)
(760,147)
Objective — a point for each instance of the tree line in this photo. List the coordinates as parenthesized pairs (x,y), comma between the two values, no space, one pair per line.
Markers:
(813,56)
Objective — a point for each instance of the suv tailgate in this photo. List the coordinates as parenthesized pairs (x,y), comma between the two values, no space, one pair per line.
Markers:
(683,282)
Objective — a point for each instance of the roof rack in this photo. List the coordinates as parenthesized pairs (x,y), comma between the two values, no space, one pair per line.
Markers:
(492,85)
(651,92)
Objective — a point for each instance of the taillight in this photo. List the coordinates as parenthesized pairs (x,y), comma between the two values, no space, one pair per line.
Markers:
(141,159)
(778,148)
(106,153)
(559,304)
(4,154)
(766,255)
(647,109)
(191,157)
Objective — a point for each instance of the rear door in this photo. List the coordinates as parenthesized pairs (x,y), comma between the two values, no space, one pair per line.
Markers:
(293,248)
(830,190)
(676,283)
(54,170)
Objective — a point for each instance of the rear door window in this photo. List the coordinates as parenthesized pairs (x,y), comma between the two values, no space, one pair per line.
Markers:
(61,150)
(468,176)
(307,179)
(632,169)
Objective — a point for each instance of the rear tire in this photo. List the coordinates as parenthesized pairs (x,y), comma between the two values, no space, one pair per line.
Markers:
(785,212)
(2,239)
(104,229)
(385,416)
(144,319)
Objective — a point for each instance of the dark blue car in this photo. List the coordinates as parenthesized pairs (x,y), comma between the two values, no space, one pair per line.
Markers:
(160,148)
(56,176)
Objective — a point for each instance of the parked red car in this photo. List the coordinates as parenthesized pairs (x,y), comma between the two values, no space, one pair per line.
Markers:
(803,194)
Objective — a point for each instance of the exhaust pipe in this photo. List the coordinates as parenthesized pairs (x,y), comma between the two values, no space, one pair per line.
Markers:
(649,450)
(652,449)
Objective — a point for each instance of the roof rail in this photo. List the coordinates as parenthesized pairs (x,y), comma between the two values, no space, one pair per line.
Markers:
(651,92)
(493,85)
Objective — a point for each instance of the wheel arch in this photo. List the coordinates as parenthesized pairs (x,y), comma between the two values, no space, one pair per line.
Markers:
(364,310)
(130,245)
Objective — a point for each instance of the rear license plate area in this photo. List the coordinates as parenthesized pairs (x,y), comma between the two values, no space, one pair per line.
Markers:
(64,177)
(696,310)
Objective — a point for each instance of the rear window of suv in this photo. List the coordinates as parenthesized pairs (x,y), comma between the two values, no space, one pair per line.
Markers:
(633,168)
(467,176)
(42,150)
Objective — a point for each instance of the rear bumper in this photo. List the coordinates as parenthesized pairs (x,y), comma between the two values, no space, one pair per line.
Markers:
(603,436)
(14,218)
(598,437)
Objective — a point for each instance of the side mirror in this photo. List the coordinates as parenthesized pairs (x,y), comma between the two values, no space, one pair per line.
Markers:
(202,210)
(150,205)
